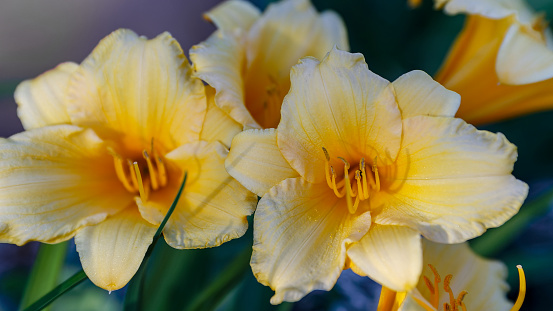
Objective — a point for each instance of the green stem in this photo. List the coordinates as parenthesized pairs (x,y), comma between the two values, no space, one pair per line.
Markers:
(495,240)
(45,272)
(217,291)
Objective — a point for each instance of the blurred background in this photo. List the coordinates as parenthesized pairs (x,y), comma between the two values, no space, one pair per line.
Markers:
(37,35)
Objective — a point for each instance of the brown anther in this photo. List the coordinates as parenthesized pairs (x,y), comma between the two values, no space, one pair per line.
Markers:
(326,154)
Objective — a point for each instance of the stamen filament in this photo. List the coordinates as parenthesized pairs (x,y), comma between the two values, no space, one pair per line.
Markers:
(338,194)
(120,172)
(376,177)
(360,193)
(521,291)
(436,296)
(364,176)
(447,288)
(138,177)
(460,300)
(327,168)
(348,186)
(133,175)
(151,169)
(161,171)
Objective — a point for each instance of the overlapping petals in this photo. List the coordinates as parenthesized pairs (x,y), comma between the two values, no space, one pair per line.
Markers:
(248,59)
(504,46)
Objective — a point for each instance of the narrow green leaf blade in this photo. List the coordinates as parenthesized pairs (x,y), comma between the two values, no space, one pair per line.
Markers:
(47,299)
(45,272)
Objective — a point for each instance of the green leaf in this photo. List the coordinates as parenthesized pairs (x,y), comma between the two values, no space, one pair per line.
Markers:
(136,285)
(45,272)
(47,299)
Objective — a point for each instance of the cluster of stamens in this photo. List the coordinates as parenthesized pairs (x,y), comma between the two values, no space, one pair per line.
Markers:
(455,304)
(152,176)
(345,186)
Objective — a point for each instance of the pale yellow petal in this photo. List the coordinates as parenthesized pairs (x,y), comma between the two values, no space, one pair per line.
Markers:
(111,252)
(41,101)
(390,255)
(451,181)
(55,180)
(233,14)
(492,9)
(300,235)
(484,280)
(141,88)
(286,32)
(218,125)
(419,95)
(213,206)
(219,61)
(523,57)
(256,162)
(340,105)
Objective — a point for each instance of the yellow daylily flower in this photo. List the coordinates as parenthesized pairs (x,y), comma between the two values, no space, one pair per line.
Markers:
(358,168)
(455,278)
(104,152)
(248,59)
(501,63)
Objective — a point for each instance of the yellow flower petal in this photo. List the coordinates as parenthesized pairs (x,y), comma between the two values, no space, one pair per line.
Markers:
(492,9)
(42,100)
(233,14)
(218,125)
(250,68)
(451,181)
(300,235)
(390,255)
(287,31)
(220,61)
(256,162)
(337,104)
(111,252)
(483,279)
(140,88)
(419,95)
(54,181)
(524,57)
(213,207)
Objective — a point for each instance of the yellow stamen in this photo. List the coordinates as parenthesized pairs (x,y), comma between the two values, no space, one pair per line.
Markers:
(138,178)
(360,193)
(327,168)
(447,288)
(376,177)
(364,176)
(120,170)
(460,298)
(151,169)
(521,291)
(338,194)
(161,171)
(436,292)
(133,175)
(349,193)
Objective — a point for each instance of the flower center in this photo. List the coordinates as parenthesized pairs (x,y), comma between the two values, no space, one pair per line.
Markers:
(142,175)
(354,184)
(455,304)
